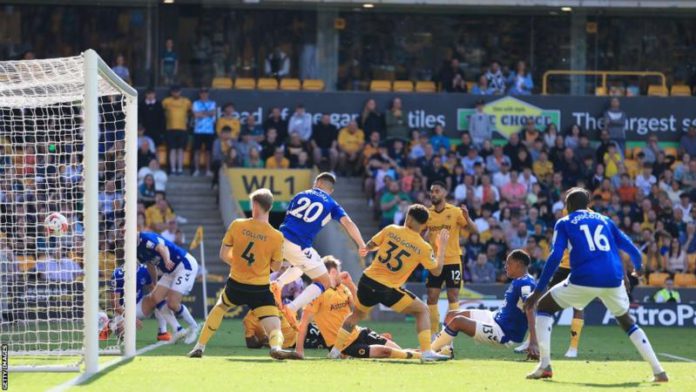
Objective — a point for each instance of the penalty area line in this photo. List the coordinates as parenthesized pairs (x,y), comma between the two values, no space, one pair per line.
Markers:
(85,377)
(677,357)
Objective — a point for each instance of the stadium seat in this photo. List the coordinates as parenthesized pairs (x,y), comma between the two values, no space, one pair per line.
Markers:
(222,82)
(469,85)
(691,260)
(636,150)
(380,85)
(425,86)
(656,90)
(684,280)
(402,86)
(657,278)
(25,263)
(290,84)
(680,90)
(267,84)
(245,84)
(670,151)
(313,85)
(600,91)
(162,155)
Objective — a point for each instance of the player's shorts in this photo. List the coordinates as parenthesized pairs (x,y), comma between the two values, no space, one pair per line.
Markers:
(569,295)
(257,297)
(203,140)
(314,339)
(487,330)
(360,348)
(177,139)
(181,280)
(560,275)
(371,293)
(307,260)
(451,275)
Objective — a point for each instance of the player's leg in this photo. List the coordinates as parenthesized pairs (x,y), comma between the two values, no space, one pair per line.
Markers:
(415,307)
(359,313)
(433,311)
(575,331)
(313,267)
(145,307)
(268,316)
(453,281)
(455,322)
(212,323)
(182,283)
(162,311)
(162,333)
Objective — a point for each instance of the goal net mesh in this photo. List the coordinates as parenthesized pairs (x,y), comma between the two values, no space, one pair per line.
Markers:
(41,172)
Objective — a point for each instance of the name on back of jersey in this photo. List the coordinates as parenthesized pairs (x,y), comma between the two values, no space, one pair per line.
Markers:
(255,236)
(586,215)
(405,244)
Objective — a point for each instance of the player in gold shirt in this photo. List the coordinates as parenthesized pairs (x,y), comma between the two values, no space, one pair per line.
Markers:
(255,335)
(252,248)
(400,249)
(332,307)
(445,216)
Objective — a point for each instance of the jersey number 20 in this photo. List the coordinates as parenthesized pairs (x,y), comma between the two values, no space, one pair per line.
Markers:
(306,210)
(598,241)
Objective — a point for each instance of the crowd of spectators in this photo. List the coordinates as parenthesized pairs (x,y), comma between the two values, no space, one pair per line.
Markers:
(494,80)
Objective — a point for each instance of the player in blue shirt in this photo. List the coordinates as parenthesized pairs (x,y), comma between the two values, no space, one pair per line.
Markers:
(503,328)
(596,271)
(179,271)
(307,213)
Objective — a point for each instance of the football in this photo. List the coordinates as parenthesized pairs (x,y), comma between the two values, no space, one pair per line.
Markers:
(56,224)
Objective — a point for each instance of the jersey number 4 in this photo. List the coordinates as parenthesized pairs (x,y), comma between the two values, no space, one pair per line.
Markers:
(247,255)
(387,259)
(598,241)
(306,210)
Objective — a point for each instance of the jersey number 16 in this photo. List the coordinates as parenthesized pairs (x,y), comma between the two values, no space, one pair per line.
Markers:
(598,241)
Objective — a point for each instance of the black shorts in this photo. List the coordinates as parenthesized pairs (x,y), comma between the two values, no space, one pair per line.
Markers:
(177,139)
(371,293)
(253,296)
(560,275)
(451,275)
(360,348)
(203,140)
(314,338)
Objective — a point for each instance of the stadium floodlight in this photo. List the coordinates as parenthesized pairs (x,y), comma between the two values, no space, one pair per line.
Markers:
(68,137)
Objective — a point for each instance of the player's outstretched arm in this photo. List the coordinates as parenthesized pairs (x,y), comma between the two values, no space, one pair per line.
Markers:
(625,244)
(560,242)
(307,317)
(164,252)
(470,225)
(352,231)
(371,246)
(441,246)
(533,349)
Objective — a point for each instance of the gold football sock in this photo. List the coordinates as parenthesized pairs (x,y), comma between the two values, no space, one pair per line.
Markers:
(212,323)
(434,319)
(575,331)
(341,338)
(275,339)
(453,306)
(424,340)
(400,354)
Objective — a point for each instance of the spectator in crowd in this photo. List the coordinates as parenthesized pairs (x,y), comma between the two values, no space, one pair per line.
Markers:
(246,145)
(543,168)
(325,142)
(121,70)
(270,143)
(502,177)
(667,293)
(176,110)
(529,133)
(253,128)
(651,150)
(389,203)
(59,270)
(687,143)
(295,148)
(151,117)
(229,119)
(145,155)
(519,237)
(688,241)
(487,193)
(351,141)
(278,160)
(572,139)
(480,125)
(495,161)
(158,214)
(169,63)
(275,120)
(143,137)
(482,88)
(482,271)
(146,191)
(277,64)
(496,80)
(676,257)
(615,123)
(612,160)
(439,140)
(520,80)
(221,149)
(514,192)
(204,113)
(371,120)
(584,151)
(469,162)
(551,136)
(170,232)
(110,201)
(451,76)
(395,121)
(153,169)
(301,123)
(253,160)
(645,180)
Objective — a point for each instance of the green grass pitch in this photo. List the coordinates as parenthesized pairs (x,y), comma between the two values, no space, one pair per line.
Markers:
(608,361)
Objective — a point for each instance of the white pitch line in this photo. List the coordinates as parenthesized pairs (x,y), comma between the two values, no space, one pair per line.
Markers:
(677,357)
(83,377)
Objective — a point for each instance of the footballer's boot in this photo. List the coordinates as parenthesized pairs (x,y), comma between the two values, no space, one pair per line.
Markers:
(571,353)
(195,353)
(522,348)
(334,354)
(431,356)
(192,334)
(277,292)
(164,336)
(540,373)
(448,351)
(178,335)
(661,377)
(284,354)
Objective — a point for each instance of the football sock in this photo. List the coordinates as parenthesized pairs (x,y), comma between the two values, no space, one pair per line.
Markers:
(275,339)
(139,310)
(212,323)
(161,322)
(575,331)
(199,346)
(445,338)
(169,317)
(452,306)
(341,338)
(424,340)
(434,319)
(186,315)
(544,325)
(306,296)
(400,354)
(290,275)
(640,340)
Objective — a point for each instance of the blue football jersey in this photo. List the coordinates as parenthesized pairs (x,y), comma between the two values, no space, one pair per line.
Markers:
(594,242)
(147,241)
(511,317)
(307,213)
(142,279)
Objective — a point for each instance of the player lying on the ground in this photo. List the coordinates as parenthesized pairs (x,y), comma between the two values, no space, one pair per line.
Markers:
(255,336)
(179,269)
(252,248)
(331,308)
(596,271)
(143,281)
(399,251)
(307,213)
(504,327)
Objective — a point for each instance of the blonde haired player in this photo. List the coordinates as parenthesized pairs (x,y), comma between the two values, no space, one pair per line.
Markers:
(400,249)
(252,248)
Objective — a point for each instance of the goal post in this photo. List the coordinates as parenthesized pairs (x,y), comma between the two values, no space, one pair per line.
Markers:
(68,144)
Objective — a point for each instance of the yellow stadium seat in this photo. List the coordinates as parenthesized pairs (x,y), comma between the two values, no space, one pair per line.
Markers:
(245,84)
(267,84)
(600,91)
(380,85)
(691,260)
(656,90)
(313,85)
(470,85)
(425,86)
(402,86)
(162,155)
(670,151)
(26,263)
(685,280)
(657,278)
(222,82)
(290,84)
(681,90)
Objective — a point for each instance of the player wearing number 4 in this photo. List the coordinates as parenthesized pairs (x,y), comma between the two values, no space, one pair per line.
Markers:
(307,213)
(596,271)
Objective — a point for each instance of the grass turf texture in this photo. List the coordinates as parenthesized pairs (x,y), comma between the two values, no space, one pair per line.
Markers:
(607,360)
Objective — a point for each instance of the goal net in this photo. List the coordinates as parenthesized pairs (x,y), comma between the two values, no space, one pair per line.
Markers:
(66,145)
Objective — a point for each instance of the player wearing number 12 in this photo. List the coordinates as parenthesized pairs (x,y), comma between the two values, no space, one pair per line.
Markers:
(252,248)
